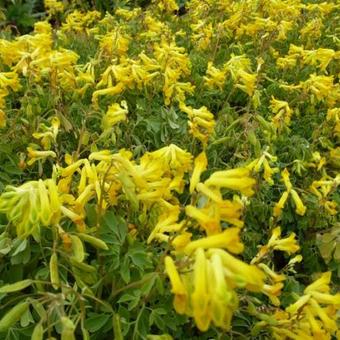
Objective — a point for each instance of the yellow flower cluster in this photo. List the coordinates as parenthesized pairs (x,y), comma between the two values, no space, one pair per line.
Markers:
(33,204)
(8,81)
(53,6)
(312,316)
(205,289)
(239,68)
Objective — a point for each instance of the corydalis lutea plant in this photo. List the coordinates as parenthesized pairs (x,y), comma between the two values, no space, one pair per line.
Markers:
(225,115)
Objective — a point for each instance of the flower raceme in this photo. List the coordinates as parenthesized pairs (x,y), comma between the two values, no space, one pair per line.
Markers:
(206,289)
(33,204)
(311,316)
(201,122)
(288,245)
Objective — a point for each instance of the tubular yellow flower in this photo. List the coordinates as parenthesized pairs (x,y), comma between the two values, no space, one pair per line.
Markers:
(2,118)
(321,285)
(181,241)
(326,298)
(274,276)
(239,273)
(283,112)
(71,169)
(288,244)
(229,239)
(30,206)
(167,222)
(36,155)
(200,297)
(236,179)
(293,308)
(273,291)
(200,165)
(295,259)
(207,218)
(214,77)
(116,113)
(232,173)
(286,180)
(178,288)
(223,300)
(300,208)
(268,172)
(280,204)
(244,185)
(316,329)
(318,310)
(214,195)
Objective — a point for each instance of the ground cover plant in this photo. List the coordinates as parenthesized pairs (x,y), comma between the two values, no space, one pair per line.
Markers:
(170,170)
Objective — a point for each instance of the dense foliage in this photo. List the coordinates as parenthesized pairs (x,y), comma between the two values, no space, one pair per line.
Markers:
(170,170)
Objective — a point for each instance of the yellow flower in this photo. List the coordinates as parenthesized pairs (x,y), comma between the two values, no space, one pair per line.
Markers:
(229,239)
(321,285)
(239,68)
(200,297)
(296,306)
(167,222)
(200,165)
(213,194)
(271,274)
(273,291)
(319,86)
(295,259)
(286,180)
(214,77)
(113,90)
(181,241)
(268,172)
(240,274)
(53,6)
(168,6)
(288,244)
(208,218)
(247,82)
(283,112)
(235,179)
(201,122)
(33,204)
(328,323)
(115,114)
(178,288)
(223,300)
(300,208)
(35,155)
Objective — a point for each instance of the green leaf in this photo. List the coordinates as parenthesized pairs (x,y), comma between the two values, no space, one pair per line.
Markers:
(96,322)
(138,256)
(150,279)
(20,246)
(116,225)
(125,270)
(337,252)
